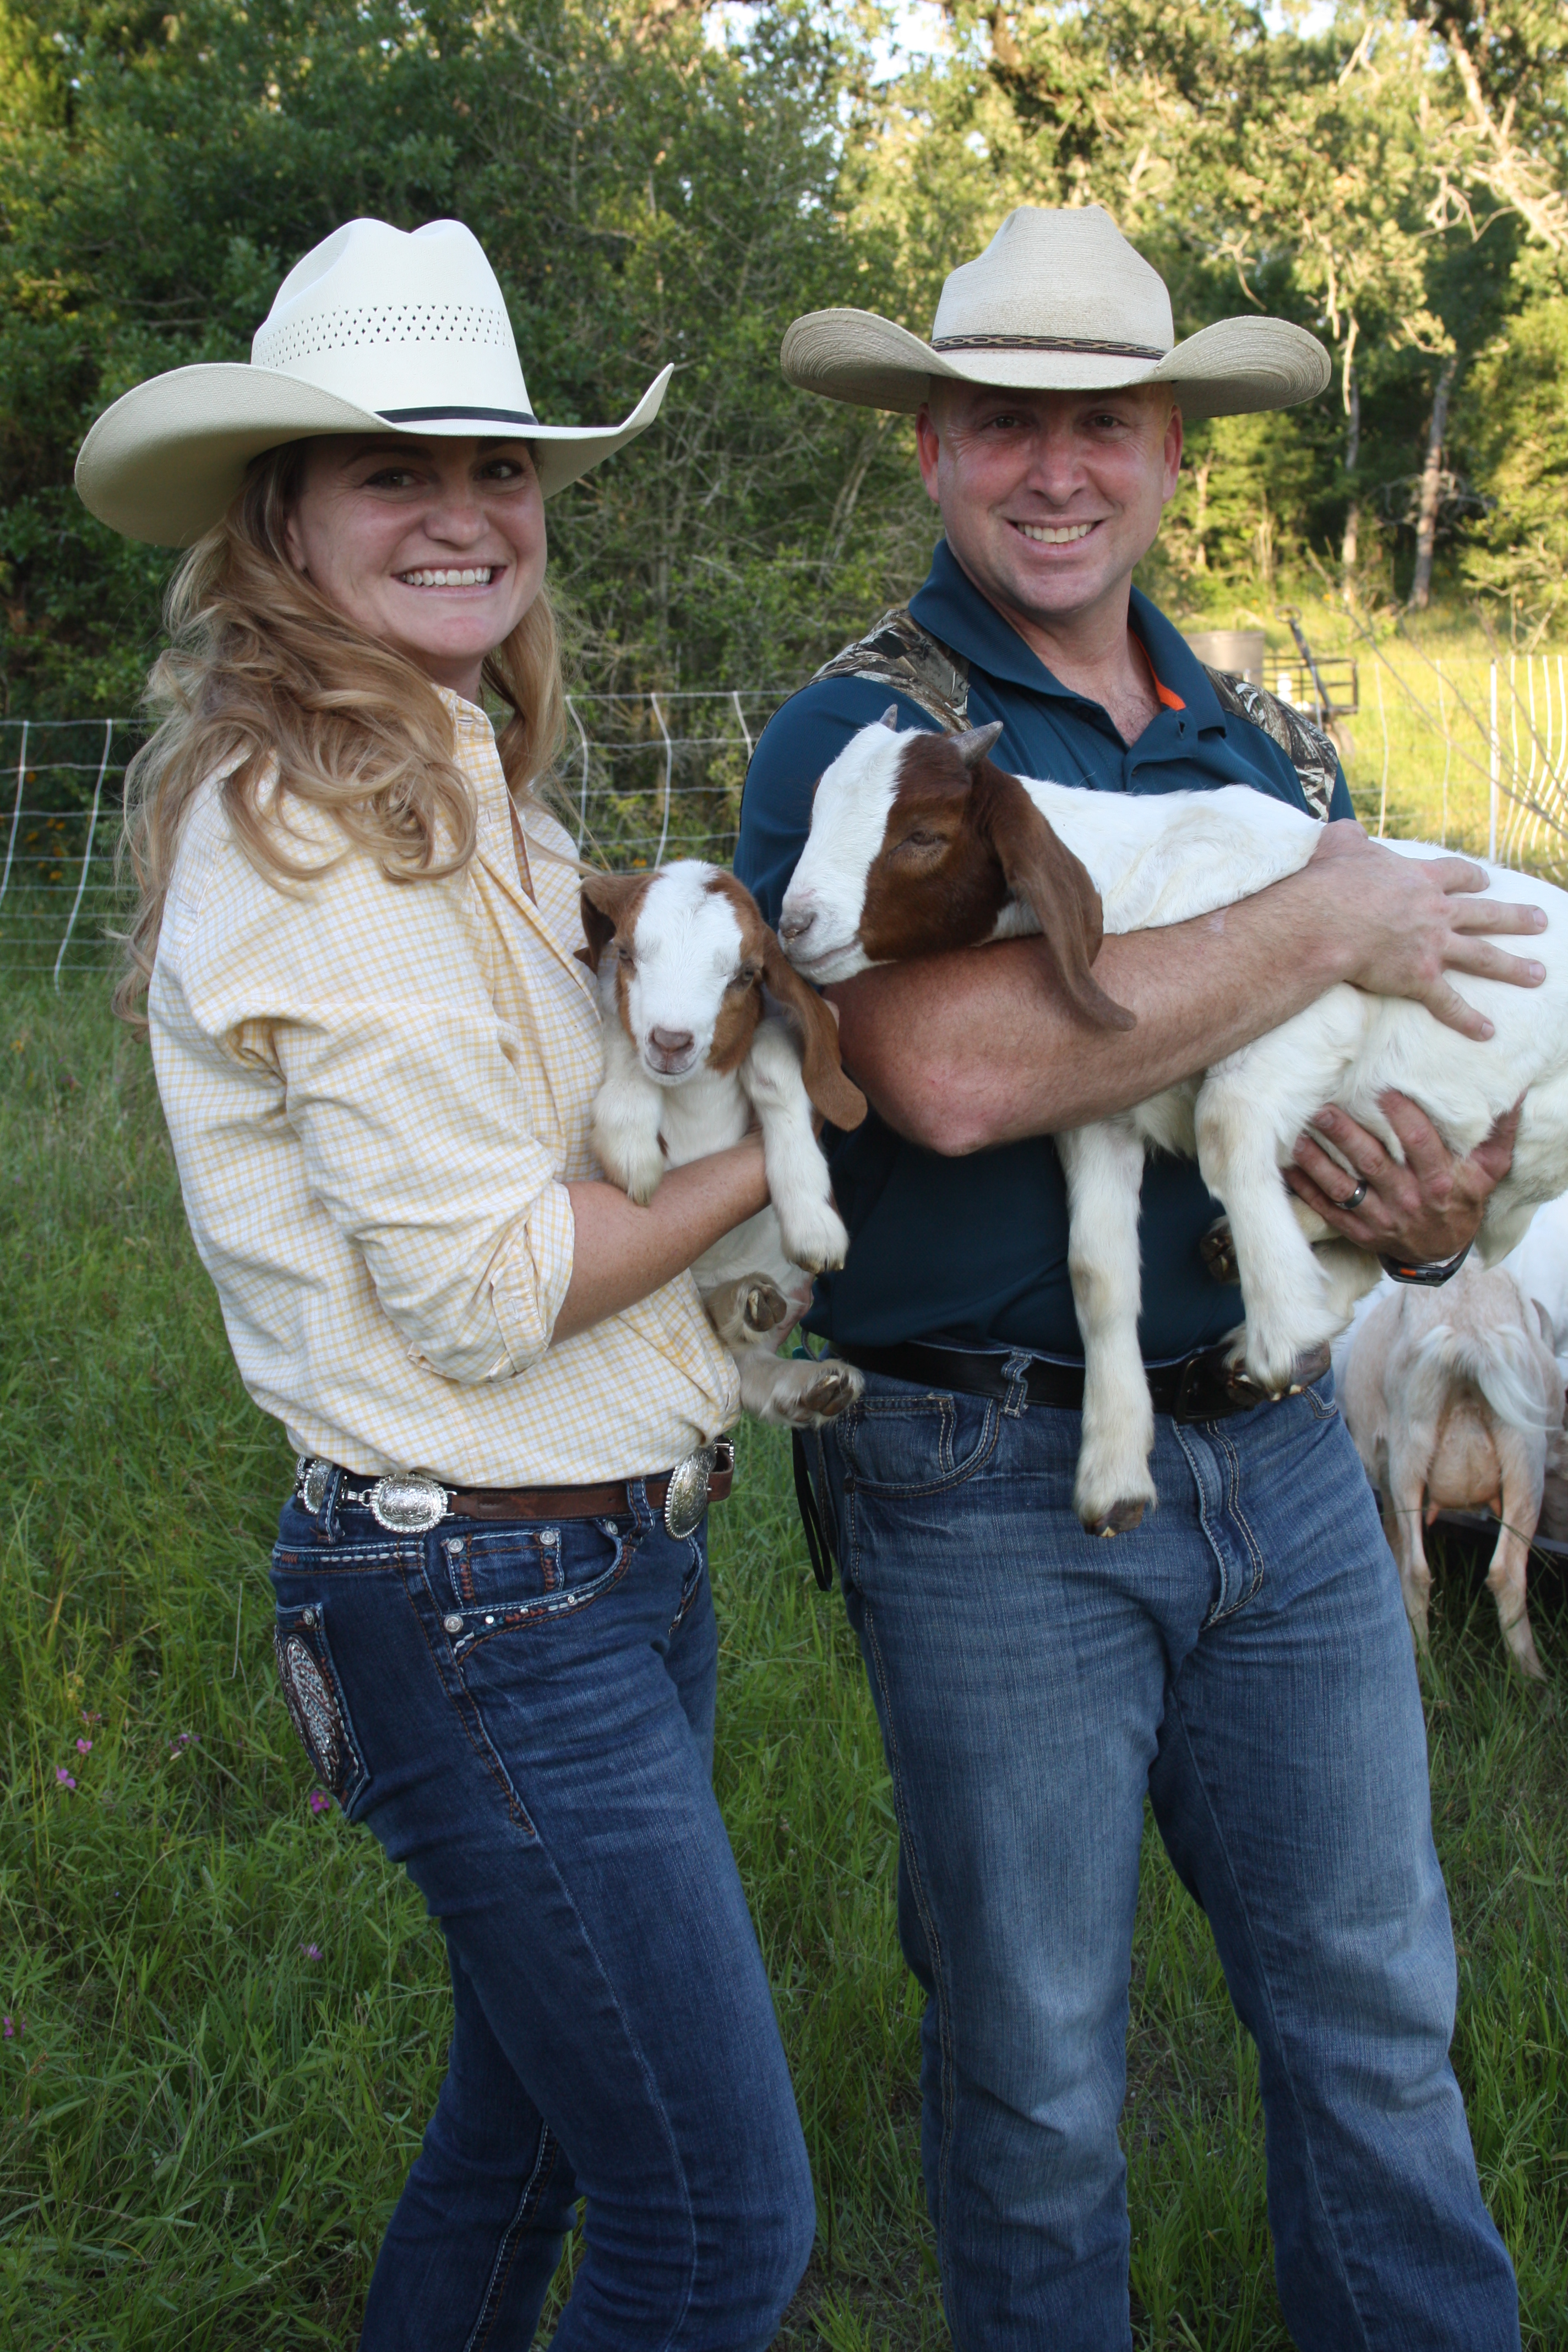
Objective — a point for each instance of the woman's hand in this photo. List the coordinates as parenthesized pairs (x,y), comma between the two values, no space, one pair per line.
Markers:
(1421,1214)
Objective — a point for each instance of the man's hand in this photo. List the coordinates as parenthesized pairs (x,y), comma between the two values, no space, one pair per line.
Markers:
(1423,1212)
(1411,922)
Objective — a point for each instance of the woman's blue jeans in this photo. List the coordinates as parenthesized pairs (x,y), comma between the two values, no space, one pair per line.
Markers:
(523,1714)
(1242,1659)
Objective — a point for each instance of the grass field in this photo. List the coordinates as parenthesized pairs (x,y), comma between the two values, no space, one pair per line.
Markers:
(1417,751)
(224,2016)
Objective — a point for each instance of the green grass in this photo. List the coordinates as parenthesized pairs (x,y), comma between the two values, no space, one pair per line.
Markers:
(1416,751)
(203,2129)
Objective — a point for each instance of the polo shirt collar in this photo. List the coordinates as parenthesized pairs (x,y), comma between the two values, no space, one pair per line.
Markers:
(950,605)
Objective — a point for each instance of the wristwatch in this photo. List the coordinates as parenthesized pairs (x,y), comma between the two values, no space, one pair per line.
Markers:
(1441,1270)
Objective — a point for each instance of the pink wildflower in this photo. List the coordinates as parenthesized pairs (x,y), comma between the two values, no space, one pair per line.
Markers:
(311,1951)
(84,1747)
(320,1802)
(63,1777)
(13,2027)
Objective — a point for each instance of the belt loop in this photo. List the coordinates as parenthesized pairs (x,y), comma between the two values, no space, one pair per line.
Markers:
(642,1509)
(327,1517)
(1016,1372)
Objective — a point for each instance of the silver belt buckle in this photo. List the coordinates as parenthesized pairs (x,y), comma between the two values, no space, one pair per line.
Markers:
(685,1497)
(408,1505)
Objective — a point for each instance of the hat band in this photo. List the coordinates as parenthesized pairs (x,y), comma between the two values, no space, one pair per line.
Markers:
(445,415)
(1047,343)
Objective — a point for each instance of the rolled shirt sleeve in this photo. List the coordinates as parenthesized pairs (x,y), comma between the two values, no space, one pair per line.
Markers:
(402,1086)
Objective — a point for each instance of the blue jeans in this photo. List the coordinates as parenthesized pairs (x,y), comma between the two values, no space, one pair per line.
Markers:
(523,1714)
(1244,1660)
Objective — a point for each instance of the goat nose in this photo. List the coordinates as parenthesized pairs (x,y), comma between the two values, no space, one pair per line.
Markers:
(671,1041)
(797,923)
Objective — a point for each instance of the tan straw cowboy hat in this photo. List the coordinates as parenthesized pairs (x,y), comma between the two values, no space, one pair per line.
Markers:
(1058,301)
(376,328)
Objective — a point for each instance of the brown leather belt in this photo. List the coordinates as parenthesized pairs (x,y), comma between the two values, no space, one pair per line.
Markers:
(411,1504)
(575,1502)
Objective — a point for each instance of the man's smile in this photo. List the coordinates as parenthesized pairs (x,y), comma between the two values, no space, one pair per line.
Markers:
(1046,534)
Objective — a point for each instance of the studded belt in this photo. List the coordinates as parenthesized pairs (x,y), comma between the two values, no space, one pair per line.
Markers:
(406,1503)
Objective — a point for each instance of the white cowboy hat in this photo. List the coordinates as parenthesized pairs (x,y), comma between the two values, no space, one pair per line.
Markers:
(1058,301)
(375,327)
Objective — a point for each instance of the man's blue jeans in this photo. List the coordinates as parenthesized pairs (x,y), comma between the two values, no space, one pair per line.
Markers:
(523,1714)
(1244,1659)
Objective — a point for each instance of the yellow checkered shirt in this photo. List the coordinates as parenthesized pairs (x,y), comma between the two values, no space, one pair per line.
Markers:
(377,1094)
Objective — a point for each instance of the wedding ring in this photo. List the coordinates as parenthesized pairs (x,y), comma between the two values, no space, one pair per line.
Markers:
(1353,1200)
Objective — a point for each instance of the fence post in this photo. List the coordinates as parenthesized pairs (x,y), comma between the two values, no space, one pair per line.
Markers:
(668,776)
(1447,746)
(16,812)
(87,853)
(583,796)
(1494,773)
(1383,715)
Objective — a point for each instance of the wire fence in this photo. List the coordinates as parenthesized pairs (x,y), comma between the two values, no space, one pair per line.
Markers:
(644,778)
(1471,750)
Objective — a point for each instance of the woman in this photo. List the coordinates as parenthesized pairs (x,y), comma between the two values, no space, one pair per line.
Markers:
(377,1052)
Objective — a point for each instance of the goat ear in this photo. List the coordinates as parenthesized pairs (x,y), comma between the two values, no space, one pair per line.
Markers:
(840,1101)
(1040,867)
(604,902)
(890,717)
(975,742)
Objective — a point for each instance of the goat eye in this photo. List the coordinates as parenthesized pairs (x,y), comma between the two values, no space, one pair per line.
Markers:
(745,976)
(918,840)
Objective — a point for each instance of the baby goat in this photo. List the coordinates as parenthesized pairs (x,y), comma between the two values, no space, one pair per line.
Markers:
(1454,1398)
(682,956)
(918,842)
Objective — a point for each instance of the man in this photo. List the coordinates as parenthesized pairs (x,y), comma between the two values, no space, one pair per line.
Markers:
(1243,1657)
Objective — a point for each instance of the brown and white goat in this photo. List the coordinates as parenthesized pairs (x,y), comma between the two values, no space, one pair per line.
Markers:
(918,842)
(1454,1398)
(691,1054)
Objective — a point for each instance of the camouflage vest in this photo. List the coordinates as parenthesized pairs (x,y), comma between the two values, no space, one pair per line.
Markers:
(898,653)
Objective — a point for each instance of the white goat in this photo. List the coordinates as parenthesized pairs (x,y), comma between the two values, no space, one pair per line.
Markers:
(1452,1397)
(919,843)
(682,956)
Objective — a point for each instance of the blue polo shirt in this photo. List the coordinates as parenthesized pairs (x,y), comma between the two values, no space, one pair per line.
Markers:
(973,1251)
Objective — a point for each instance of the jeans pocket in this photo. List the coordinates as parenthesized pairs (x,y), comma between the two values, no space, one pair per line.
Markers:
(896,1440)
(314,1697)
(520,1575)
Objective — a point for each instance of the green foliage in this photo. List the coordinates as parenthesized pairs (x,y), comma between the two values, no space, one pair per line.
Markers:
(1519,427)
(654,187)
(203,2127)
(646,196)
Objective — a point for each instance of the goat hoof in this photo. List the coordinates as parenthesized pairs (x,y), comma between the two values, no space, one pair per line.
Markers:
(1217,1251)
(764,1306)
(1120,1521)
(837,1386)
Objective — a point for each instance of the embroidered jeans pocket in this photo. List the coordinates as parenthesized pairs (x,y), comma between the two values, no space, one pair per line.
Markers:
(314,1698)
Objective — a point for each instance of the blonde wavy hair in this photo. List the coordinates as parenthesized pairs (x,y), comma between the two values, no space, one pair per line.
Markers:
(264,677)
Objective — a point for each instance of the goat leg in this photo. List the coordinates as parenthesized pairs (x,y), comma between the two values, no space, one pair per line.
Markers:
(1524,1475)
(1104,1169)
(746,1312)
(627,1109)
(798,1184)
(796,1391)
